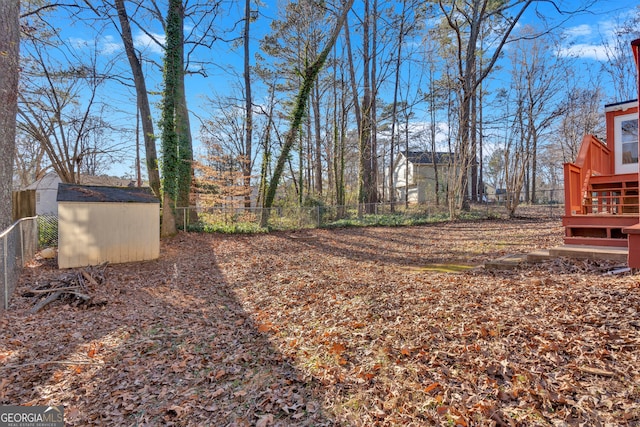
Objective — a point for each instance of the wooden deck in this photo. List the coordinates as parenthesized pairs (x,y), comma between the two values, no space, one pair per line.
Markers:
(598,203)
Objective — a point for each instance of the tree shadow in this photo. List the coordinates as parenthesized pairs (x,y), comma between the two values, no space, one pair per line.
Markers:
(411,246)
(173,345)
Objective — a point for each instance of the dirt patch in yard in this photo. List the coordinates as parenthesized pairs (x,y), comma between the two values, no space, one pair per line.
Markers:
(342,327)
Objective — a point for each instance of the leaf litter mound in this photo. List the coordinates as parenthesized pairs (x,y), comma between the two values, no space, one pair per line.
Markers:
(335,327)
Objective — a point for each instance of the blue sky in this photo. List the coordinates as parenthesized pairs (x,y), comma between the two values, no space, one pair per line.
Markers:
(584,35)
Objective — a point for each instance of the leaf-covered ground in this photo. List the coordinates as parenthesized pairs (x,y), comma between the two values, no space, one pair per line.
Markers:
(353,327)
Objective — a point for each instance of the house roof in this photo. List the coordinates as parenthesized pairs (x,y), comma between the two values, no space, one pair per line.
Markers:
(50,181)
(426,157)
(96,193)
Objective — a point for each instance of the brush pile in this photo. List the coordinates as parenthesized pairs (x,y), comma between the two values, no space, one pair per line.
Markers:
(73,287)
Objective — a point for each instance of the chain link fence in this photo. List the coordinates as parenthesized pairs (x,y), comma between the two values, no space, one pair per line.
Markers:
(47,231)
(18,245)
(241,219)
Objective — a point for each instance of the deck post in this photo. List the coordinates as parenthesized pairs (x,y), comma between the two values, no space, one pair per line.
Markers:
(633,232)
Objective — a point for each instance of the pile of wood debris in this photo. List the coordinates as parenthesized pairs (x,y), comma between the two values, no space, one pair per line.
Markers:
(73,287)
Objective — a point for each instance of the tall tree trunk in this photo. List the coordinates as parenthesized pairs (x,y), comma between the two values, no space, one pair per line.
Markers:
(248,142)
(266,147)
(301,163)
(185,149)
(534,159)
(432,130)
(339,120)
(474,143)
(142,99)
(394,110)
(481,143)
(318,140)
(352,80)
(366,196)
(374,98)
(176,136)
(9,69)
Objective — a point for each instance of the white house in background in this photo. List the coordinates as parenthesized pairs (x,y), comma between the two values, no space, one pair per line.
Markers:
(415,174)
(46,189)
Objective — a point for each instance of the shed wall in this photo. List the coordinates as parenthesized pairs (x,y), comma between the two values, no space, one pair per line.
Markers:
(93,233)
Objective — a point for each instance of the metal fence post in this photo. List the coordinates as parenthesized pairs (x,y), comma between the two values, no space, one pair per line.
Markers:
(21,245)
(6,277)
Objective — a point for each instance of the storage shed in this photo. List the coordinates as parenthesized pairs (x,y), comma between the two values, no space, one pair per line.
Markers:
(106,224)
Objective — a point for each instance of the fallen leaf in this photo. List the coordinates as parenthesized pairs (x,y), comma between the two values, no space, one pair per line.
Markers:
(265,420)
(442,410)
(337,349)
(431,387)
(218,392)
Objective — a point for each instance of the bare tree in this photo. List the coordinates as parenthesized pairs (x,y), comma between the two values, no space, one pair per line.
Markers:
(30,160)
(619,64)
(367,191)
(583,116)
(248,137)
(537,106)
(58,104)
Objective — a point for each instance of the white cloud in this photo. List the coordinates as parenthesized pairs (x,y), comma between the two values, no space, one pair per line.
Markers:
(109,46)
(596,52)
(579,31)
(589,41)
(144,42)
(78,43)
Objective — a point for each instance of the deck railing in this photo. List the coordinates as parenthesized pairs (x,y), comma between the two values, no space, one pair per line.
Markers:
(612,194)
(594,159)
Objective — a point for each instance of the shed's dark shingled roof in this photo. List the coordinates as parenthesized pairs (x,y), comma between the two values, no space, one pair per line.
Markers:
(426,158)
(95,193)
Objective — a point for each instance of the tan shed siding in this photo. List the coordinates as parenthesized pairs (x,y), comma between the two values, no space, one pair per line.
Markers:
(93,233)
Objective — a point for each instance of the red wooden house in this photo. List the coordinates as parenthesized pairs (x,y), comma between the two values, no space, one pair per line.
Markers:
(601,187)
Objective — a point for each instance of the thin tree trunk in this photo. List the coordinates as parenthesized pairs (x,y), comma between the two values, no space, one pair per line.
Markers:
(374,96)
(248,142)
(474,144)
(365,196)
(432,128)
(318,140)
(353,81)
(394,109)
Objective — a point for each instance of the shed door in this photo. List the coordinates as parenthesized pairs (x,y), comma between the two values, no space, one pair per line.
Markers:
(626,143)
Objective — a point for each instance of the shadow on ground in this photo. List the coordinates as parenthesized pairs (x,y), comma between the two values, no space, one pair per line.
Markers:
(173,345)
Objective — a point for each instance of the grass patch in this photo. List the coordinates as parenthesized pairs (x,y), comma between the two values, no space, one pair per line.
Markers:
(441,268)
(386,220)
(47,231)
(228,228)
